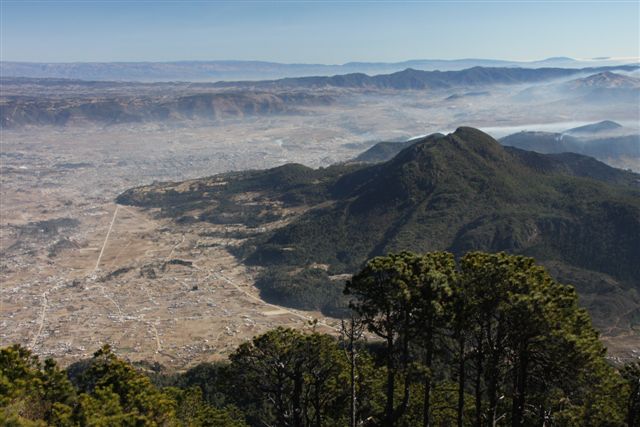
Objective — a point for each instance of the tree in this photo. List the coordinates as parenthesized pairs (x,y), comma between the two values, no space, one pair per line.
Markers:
(114,390)
(435,274)
(533,346)
(351,332)
(631,375)
(484,279)
(30,391)
(193,411)
(383,297)
(289,378)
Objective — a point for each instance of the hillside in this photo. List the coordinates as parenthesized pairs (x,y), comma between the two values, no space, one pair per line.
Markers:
(461,192)
(605,88)
(606,80)
(611,150)
(383,151)
(18,111)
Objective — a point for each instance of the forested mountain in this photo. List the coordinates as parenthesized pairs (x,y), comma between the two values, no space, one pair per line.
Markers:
(459,192)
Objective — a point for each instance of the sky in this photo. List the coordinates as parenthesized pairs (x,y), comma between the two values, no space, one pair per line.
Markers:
(328,32)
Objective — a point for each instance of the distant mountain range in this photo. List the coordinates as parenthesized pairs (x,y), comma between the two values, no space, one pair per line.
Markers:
(460,192)
(59,102)
(418,80)
(18,111)
(260,70)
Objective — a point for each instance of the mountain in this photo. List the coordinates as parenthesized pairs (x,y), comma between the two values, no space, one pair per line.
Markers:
(615,150)
(412,79)
(595,128)
(606,80)
(543,142)
(258,70)
(18,111)
(28,101)
(605,88)
(460,192)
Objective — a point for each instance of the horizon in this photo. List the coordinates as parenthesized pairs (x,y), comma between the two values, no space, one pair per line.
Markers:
(177,61)
(315,32)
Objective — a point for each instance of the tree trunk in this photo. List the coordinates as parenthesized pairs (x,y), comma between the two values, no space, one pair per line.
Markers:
(297,401)
(494,372)
(352,354)
(426,411)
(461,379)
(318,414)
(390,383)
(520,386)
(404,405)
(634,396)
(280,409)
(478,383)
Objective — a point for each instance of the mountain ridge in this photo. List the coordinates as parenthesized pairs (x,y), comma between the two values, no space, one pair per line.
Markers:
(58,102)
(205,70)
(418,79)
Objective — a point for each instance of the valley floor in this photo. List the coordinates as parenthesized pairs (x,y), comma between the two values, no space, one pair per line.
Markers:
(154,291)
(78,271)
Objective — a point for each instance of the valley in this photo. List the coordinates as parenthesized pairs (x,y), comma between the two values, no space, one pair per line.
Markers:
(79,270)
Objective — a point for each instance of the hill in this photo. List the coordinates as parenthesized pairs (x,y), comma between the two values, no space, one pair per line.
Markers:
(594,128)
(460,192)
(604,87)
(612,150)
(606,80)
(18,111)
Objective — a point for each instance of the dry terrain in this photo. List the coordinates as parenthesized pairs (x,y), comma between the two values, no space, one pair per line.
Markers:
(77,270)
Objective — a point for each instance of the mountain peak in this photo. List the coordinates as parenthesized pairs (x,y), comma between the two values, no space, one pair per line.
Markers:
(605,125)
(608,80)
(472,134)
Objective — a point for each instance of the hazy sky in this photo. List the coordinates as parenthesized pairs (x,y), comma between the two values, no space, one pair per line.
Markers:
(316,31)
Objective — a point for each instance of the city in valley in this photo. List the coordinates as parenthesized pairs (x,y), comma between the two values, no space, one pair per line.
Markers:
(79,270)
